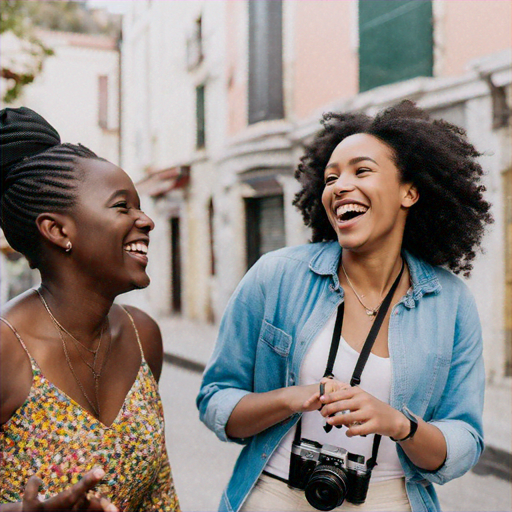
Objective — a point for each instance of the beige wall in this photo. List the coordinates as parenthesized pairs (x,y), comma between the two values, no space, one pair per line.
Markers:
(470,30)
(66,92)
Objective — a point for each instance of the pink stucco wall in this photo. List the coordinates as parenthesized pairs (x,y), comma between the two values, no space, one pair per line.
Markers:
(236,79)
(473,29)
(323,66)
(326,61)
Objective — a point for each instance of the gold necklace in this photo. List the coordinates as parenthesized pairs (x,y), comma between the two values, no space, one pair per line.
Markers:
(96,375)
(371,312)
(93,351)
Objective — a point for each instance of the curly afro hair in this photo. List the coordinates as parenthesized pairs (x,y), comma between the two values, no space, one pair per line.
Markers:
(447,223)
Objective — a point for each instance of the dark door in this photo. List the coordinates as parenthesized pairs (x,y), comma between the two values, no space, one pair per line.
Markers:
(175,265)
(264,226)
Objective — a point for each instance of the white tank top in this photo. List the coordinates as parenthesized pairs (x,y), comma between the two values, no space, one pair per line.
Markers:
(375,379)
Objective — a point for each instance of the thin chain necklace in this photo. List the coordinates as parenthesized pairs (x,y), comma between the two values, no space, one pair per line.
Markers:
(96,375)
(62,328)
(371,312)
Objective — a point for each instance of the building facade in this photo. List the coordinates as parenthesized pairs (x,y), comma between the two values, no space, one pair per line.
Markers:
(219,99)
(78,93)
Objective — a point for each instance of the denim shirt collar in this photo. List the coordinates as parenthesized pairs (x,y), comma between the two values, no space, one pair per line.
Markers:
(423,276)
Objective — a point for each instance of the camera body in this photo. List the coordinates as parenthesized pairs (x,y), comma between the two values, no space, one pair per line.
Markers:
(328,474)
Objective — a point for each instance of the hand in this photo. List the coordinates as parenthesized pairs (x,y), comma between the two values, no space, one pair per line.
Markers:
(364,414)
(304,398)
(78,497)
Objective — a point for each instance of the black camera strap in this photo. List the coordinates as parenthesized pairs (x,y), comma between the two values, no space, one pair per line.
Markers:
(363,357)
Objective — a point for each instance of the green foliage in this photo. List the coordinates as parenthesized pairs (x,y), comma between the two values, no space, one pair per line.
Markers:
(21,17)
(14,18)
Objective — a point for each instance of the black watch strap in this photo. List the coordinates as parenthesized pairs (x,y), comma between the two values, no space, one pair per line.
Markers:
(414,426)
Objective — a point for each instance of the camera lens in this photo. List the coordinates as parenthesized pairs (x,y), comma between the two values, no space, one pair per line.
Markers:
(326,488)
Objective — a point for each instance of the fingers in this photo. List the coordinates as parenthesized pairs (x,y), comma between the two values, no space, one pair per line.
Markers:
(361,429)
(339,394)
(339,406)
(74,497)
(30,496)
(100,503)
(90,479)
(331,385)
(107,506)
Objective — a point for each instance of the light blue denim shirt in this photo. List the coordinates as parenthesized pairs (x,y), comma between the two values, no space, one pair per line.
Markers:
(278,309)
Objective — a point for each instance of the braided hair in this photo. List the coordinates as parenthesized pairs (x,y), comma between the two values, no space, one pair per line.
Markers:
(447,223)
(38,174)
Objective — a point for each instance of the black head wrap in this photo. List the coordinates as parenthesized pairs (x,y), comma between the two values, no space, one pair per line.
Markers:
(24,133)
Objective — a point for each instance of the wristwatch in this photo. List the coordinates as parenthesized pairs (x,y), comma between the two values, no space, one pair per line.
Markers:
(414,425)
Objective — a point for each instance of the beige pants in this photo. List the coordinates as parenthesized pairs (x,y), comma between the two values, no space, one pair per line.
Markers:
(271,495)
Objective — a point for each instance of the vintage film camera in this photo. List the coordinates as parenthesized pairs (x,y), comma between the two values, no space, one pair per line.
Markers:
(327,474)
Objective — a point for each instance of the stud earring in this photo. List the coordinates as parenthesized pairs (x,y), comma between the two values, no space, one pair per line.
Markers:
(69,246)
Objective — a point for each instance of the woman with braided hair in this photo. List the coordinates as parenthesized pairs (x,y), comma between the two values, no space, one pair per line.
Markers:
(81,419)
(366,329)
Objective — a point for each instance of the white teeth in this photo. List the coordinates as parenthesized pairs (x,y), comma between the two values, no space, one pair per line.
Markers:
(140,247)
(350,207)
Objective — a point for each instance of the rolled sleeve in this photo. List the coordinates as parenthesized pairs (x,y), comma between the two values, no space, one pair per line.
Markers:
(219,410)
(229,375)
(464,446)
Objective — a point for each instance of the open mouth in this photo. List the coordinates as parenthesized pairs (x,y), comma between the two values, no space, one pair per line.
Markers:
(137,249)
(350,211)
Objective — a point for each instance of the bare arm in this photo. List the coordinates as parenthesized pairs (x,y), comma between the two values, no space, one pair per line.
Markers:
(427,449)
(256,412)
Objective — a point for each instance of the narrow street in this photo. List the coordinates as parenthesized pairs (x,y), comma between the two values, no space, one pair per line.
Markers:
(202,464)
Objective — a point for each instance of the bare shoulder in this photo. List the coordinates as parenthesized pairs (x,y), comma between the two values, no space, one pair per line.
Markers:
(15,367)
(150,338)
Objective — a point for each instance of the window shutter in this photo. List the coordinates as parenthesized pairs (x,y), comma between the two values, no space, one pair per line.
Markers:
(265,61)
(395,41)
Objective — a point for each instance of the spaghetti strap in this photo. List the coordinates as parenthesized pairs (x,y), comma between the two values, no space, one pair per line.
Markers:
(16,333)
(135,328)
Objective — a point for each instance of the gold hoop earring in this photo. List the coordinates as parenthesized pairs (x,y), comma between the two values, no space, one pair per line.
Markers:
(69,246)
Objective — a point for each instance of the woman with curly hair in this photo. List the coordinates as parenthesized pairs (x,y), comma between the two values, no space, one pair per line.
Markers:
(366,329)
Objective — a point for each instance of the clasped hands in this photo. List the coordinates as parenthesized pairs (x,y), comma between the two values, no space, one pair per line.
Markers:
(362,413)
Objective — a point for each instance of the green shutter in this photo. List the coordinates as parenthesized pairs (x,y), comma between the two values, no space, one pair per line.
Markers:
(395,41)
(200,117)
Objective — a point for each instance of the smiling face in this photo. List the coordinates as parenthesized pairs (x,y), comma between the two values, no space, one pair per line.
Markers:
(110,234)
(364,199)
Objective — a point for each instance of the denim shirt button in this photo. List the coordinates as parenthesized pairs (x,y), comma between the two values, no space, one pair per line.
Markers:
(331,287)
(263,455)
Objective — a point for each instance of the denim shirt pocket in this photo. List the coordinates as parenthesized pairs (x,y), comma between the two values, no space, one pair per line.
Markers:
(271,364)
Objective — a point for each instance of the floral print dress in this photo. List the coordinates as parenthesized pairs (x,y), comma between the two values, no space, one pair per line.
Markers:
(55,438)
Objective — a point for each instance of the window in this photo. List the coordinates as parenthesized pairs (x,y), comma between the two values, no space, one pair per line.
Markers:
(265,61)
(264,226)
(211,217)
(103,101)
(395,41)
(200,117)
(195,45)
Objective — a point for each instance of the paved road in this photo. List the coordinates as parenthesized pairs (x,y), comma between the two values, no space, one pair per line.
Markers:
(202,464)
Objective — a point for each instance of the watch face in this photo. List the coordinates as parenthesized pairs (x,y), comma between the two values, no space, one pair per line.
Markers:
(414,424)
(409,415)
